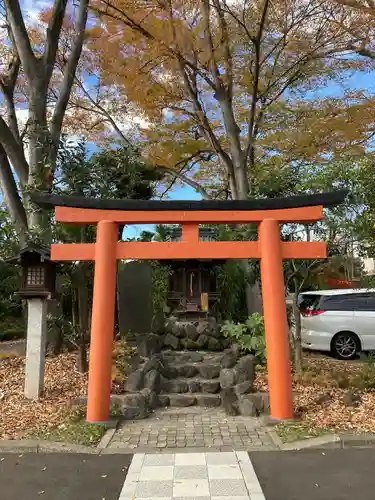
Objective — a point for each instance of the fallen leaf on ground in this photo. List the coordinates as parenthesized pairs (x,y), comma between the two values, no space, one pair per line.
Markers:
(62,384)
(332,414)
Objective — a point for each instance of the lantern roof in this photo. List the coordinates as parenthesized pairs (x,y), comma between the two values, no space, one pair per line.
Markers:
(30,251)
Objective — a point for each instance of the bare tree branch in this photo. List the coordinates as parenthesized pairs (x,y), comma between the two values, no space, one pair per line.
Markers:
(7,85)
(228,61)
(180,172)
(190,182)
(254,97)
(103,111)
(203,120)
(21,38)
(365,53)
(53,35)
(10,194)
(70,71)
(14,151)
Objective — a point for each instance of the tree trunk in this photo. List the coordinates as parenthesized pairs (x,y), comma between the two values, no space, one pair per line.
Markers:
(83,317)
(252,290)
(75,320)
(55,337)
(298,365)
(39,145)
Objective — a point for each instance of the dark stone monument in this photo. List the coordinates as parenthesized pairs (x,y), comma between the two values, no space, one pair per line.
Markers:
(135,298)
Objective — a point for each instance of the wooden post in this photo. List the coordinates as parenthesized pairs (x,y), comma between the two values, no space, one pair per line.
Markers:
(275,321)
(102,324)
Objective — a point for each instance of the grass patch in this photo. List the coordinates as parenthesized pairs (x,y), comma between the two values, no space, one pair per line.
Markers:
(74,431)
(296,431)
(8,355)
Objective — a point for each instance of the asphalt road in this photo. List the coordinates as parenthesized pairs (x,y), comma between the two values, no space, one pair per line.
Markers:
(294,475)
(316,474)
(62,476)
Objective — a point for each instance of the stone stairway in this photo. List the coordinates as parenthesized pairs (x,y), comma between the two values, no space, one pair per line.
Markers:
(193,378)
(163,378)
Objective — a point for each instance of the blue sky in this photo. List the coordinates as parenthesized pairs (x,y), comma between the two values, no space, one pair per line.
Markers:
(179,193)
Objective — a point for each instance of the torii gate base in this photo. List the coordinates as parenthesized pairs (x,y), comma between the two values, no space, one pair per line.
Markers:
(269,249)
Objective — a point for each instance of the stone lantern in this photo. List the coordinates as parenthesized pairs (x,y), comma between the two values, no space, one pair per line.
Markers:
(38,285)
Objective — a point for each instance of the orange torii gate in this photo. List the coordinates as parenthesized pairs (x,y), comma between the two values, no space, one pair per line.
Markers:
(268,214)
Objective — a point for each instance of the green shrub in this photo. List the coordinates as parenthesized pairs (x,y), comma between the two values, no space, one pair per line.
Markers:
(12,332)
(365,380)
(231,284)
(248,335)
(122,355)
(160,283)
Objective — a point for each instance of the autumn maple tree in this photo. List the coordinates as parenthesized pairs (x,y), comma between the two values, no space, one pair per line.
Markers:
(223,84)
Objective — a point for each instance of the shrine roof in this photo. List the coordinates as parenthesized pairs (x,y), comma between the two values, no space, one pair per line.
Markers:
(321,199)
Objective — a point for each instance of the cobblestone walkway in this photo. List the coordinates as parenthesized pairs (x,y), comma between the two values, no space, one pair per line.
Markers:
(190,429)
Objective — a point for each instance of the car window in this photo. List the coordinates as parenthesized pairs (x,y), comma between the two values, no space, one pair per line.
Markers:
(309,302)
(349,302)
(365,302)
(339,303)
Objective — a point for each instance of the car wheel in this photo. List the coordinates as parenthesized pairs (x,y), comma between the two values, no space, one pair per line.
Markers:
(345,345)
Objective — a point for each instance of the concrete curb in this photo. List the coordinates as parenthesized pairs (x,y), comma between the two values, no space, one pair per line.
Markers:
(275,438)
(53,447)
(19,445)
(106,439)
(329,441)
(40,446)
(357,440)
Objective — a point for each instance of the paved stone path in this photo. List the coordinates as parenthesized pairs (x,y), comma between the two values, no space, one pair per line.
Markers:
(192,476)
(191,428)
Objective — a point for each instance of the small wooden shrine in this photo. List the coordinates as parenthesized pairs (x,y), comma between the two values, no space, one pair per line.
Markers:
(192,284)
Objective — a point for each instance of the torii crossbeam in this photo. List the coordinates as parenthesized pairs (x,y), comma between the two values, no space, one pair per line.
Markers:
(267,214)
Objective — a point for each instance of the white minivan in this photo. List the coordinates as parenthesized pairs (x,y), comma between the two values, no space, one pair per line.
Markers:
(339,321)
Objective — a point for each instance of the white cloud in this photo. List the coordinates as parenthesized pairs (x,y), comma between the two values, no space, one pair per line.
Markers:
(22,116)
(131,121)
(32,8)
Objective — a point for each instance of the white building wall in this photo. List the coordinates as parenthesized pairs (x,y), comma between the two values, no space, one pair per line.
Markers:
(369,265)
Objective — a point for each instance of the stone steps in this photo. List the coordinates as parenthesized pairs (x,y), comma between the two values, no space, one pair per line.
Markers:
(200,369)
(190,399)
(192,378)
(182,385)
(195,380)
(192,356)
